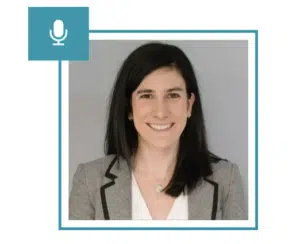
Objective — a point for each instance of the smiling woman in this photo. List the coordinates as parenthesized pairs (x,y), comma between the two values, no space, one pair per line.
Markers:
(158,165)
(160,108)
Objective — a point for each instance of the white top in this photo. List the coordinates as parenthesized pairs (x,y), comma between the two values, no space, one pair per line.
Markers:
(140,210)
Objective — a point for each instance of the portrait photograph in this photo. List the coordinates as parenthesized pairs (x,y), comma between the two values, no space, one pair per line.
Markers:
(160,132)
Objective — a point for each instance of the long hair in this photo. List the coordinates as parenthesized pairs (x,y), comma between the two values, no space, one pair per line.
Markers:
(194,158)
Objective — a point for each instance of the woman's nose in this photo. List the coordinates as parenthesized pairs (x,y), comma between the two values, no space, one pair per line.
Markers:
(161,109)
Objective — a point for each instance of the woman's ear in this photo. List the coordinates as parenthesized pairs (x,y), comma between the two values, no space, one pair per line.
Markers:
(191,101)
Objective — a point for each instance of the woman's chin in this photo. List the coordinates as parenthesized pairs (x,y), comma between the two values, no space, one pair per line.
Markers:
(162,144)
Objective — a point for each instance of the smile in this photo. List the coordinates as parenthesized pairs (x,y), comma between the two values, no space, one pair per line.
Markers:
(161,127)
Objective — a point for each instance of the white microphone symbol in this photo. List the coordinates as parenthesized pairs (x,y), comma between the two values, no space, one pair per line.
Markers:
(58,34)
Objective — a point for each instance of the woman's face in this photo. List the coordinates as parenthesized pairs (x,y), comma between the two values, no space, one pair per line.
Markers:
(161,107)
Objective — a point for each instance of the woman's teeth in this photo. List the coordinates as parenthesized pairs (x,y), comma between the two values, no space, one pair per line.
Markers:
(160,127)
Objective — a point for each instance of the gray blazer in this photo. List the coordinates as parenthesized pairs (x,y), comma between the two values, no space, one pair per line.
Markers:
(102,190)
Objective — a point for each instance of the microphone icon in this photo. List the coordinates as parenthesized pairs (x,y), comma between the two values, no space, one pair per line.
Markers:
(58,34)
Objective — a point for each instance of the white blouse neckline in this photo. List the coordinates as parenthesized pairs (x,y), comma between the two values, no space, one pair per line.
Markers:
(140,211)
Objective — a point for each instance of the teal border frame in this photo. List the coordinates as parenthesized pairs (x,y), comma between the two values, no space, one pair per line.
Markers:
(255,32)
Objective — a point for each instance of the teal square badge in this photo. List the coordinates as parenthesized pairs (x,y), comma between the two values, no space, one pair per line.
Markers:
(58,33)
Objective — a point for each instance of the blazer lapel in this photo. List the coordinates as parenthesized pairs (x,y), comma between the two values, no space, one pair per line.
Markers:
(203,201)
(116,191)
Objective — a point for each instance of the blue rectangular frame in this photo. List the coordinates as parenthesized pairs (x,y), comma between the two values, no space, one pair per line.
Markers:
(255,32)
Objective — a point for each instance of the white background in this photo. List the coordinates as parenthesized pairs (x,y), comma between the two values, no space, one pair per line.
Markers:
(29,117)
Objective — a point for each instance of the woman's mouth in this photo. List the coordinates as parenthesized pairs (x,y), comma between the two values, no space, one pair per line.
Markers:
(160,127)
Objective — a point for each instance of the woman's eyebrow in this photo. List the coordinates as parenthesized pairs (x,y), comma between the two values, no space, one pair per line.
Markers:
(144,91)
(175,89)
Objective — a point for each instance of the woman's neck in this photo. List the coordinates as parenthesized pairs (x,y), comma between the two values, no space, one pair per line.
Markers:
(154,161)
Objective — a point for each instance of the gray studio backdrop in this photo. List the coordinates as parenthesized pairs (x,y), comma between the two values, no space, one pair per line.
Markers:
(222,71)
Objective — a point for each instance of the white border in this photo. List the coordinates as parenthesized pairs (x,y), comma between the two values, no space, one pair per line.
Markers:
(251,135)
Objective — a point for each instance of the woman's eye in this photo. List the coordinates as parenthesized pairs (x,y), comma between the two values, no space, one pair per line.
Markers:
(173,95)
(147,96)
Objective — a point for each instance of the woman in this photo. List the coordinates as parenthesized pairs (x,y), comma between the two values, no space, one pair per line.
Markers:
(158,165)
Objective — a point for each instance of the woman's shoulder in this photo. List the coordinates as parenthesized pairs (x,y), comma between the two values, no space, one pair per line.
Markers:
(92,172)
(224,171)
(97,165)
